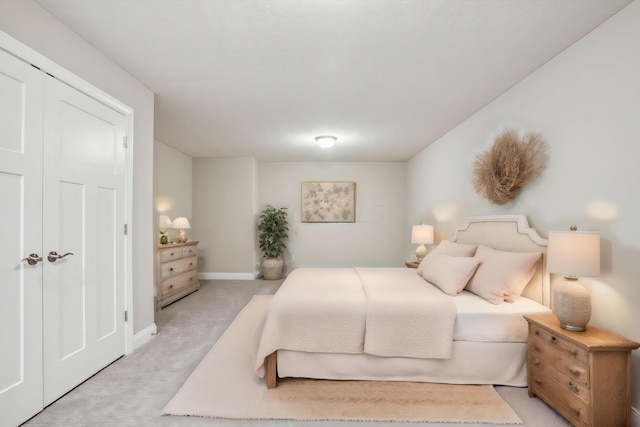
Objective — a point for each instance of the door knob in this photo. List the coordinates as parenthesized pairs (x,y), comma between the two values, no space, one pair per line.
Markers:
(54,256)
(32,259)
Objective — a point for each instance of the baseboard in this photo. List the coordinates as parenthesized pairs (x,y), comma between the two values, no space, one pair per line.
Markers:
(635,417)
(144,336)
(227,276)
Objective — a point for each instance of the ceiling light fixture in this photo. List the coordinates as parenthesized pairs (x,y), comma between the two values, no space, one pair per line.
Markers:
(326,141)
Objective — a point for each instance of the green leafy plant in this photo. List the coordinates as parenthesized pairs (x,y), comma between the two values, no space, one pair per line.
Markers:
(273,227)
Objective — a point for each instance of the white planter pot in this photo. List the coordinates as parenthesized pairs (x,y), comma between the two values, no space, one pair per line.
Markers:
(272,268)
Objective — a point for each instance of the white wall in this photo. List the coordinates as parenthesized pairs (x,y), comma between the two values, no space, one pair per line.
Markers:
(172,187)
(377,238)
(33,26)
(586,102)
(224,216)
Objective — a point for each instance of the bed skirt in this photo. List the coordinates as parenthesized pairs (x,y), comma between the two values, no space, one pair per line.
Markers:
(471,362)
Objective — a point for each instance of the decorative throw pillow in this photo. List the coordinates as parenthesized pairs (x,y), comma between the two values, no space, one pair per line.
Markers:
(449,273)
(447,247)
(501,275)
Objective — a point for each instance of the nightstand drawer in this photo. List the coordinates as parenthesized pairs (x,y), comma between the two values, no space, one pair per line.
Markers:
(556,363)
(174,284)
(557,342)
(173,268)
(562,398)
(567,384)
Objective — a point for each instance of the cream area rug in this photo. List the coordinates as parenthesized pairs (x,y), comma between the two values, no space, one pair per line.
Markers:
(225,385)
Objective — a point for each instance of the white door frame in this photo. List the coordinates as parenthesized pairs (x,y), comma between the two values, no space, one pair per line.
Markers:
(25,53)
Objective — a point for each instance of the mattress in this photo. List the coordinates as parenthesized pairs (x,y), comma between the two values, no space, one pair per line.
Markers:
(479,320)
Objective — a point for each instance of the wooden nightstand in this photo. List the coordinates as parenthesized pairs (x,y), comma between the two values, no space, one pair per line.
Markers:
(412,264)
(585,376)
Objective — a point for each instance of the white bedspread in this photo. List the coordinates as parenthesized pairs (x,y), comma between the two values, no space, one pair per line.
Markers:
(405,315)
(378,311)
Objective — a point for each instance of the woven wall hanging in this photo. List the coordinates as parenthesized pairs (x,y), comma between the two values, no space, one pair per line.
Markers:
(501,172)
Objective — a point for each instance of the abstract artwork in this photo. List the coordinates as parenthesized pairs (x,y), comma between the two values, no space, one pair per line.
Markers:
(328,202)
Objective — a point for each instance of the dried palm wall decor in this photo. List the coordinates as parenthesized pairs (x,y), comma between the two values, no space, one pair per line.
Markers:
(512,162)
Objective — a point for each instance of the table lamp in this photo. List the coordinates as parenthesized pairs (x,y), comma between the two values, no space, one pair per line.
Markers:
(181,223)
(421,234)
(572,254)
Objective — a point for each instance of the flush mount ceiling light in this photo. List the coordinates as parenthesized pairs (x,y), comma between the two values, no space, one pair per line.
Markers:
(326,141)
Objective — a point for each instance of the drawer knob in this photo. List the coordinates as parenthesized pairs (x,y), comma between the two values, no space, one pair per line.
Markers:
(538,381)
(171,269)
(537,332)
(170,286)
(535,347)
(574,371)
(574,352)
(536,362)
(578,411)
(171,254)
(553,339)
(190,264)
(573,387)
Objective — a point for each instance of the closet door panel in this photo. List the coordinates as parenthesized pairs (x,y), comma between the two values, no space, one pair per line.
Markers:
(84,193)
(21,109)
(67,279)
(107,314)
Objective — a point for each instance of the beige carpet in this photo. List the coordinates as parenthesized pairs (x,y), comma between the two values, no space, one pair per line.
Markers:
(224,385)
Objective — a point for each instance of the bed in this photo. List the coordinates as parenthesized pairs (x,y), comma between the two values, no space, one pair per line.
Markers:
(452,320)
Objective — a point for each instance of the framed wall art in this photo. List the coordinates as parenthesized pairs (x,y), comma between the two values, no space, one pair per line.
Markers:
(328,202)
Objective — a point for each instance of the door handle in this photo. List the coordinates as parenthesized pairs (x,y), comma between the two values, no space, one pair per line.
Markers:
(32,259)
(54,256)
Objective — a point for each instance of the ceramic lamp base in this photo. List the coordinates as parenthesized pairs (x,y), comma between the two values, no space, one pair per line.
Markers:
(572,305)
(421,252)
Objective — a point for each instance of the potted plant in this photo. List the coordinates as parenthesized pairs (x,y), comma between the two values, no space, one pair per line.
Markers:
(273,228)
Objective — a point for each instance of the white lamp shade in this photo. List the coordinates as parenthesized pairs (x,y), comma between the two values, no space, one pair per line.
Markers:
(574,253)
(164,222)
(181,223)
(422,234)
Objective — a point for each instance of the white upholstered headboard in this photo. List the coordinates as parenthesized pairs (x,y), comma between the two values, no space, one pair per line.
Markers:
(510,233)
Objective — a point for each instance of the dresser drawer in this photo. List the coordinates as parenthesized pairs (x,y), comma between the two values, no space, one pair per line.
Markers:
(550,358)
(569,404)
(171,253)
(173,268)
(557,342)
(177,283)
(189,251)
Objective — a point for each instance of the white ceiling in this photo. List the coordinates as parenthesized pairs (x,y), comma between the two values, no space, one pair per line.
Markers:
(262,78)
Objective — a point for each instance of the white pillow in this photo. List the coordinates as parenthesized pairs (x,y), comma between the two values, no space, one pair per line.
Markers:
(449,273)
(502,276)
(447,247)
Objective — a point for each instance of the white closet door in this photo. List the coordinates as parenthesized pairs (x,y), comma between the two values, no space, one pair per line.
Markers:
(21,88)
(84,206)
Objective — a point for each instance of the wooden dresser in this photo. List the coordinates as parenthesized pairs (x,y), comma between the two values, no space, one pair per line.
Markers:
(585,376)
(177,273)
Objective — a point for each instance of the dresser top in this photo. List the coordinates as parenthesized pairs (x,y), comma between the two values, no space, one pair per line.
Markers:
(177,245)
(593,339)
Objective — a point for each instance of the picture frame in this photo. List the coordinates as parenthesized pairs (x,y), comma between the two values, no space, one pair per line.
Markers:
(328,202)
